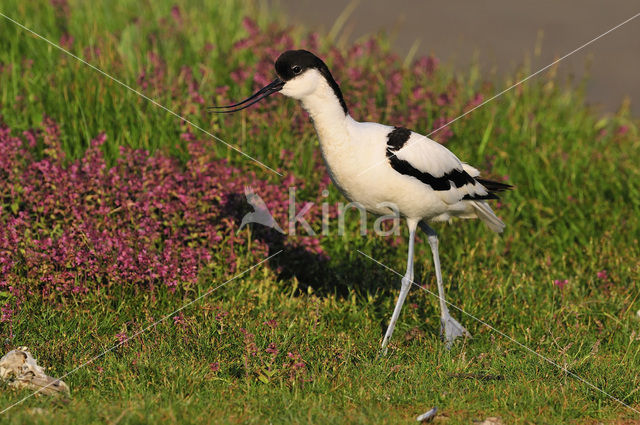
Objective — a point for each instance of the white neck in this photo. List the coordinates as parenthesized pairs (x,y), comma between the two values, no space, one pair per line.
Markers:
(329,119)
(332,124)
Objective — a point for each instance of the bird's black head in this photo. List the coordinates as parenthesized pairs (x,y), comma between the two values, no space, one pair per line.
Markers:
(293,64)
(298,74)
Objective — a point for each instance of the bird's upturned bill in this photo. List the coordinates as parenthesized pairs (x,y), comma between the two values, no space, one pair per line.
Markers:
(268,90)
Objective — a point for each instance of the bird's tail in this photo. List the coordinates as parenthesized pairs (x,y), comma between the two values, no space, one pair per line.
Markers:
(486,214)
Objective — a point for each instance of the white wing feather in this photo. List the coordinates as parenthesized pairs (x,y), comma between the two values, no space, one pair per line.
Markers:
(431,157)
(428,156)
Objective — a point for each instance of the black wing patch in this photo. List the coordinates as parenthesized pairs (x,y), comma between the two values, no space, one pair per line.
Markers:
(397,138)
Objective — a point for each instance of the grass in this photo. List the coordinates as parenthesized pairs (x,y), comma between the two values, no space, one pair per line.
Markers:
(575,213)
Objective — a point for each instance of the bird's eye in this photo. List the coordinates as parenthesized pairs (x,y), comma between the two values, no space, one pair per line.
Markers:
(296,69)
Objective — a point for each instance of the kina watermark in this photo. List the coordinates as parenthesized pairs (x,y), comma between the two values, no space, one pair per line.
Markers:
(385,224)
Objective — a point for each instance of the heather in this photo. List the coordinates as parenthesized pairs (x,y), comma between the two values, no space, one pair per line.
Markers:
(71,228)
(114,213)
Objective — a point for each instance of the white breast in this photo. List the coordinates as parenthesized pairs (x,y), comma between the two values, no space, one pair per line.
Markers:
(358,166)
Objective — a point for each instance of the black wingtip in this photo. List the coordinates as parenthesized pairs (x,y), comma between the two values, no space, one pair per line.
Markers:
(488,196)
(494,186)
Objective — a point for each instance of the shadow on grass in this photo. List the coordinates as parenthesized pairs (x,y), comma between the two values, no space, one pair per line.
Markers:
(340,276)
(311,269)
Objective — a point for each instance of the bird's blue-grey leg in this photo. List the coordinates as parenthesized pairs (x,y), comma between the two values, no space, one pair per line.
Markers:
(450,328)
(406,285)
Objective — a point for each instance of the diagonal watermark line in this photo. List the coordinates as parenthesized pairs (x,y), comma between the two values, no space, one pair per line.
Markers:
(91,360)
(548,360)
(513,86)
(535,73)
(140,94)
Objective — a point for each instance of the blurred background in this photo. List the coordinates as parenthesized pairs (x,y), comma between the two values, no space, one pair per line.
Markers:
(500,35)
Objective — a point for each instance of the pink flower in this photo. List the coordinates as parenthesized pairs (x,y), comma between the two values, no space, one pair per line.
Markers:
(66,41)
(175,14)
(250,26)
(602,275)
(560,283)
(272,349)
(178,319)
(122,338)
(271,323)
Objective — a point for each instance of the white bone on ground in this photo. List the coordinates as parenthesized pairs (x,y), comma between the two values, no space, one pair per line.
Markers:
(21,370)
